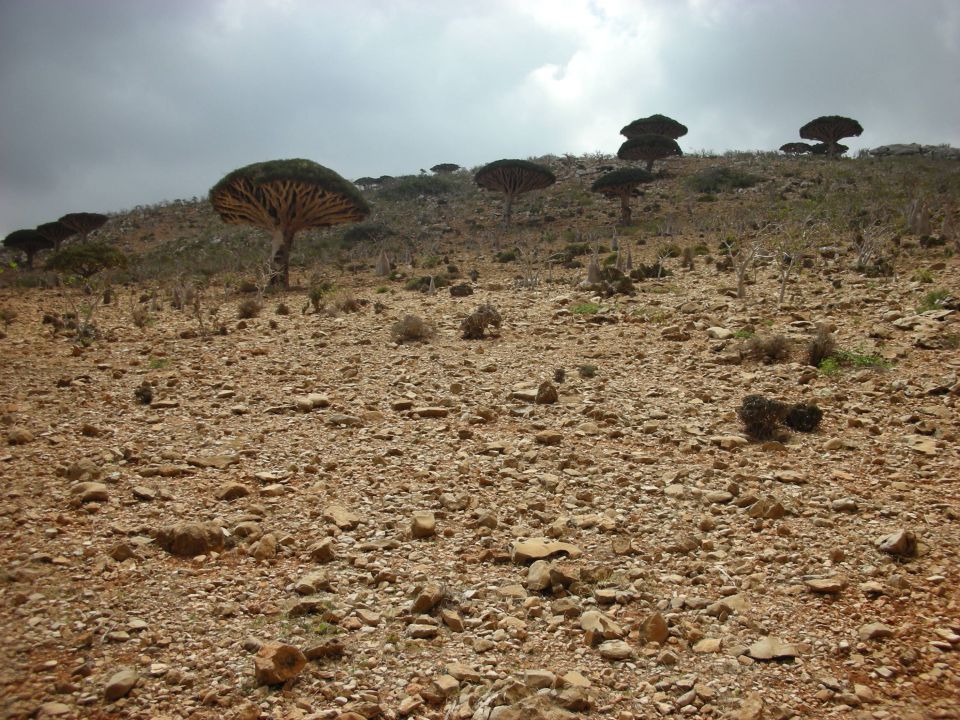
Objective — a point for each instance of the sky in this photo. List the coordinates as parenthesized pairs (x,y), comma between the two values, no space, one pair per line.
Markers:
(108,104)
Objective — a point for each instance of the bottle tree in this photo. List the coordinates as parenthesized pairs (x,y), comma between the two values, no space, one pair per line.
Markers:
(83,223)
(649,148)
(56,232)
(512,178)
(29,242)
(621,184)
(654,125)
(284,197)
(829,130)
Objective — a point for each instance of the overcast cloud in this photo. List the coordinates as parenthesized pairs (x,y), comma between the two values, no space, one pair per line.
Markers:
(107,104)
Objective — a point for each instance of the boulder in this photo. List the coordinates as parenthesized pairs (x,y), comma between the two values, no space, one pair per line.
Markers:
(189,539)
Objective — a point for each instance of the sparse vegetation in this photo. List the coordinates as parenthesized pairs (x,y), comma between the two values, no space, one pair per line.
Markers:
(768,349)
(761,416)
(720,179)
(249,308)
(933,300)
(474,326)
(821,347)
(411,327)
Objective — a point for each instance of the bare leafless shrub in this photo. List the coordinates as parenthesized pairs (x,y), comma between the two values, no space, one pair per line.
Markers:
(821,346)
(768,350)
(474,326)
(249,308)
(345,301)
(411,327)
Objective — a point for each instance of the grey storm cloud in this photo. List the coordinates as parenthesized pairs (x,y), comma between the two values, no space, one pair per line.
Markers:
(113,103)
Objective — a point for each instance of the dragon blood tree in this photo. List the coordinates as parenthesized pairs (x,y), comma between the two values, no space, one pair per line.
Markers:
(284,197)
(621,184)
(649,148)
(829,130)
(833,151)
(56,232)
(83,223)
(444,168)
(29,242)
(796,148)
(512,178)
(654,125)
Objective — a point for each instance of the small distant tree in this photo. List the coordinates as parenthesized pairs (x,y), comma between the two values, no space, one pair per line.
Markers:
(29,242)
(512,178)
(444,168)
(83,223)
(830,129)
(790,243)
(86,259)
(654,125)
(649,148)
(55,232)
(621,184)
(796,148)
(284,197)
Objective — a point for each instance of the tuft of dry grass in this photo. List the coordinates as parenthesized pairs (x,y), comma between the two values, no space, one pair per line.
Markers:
(411,327)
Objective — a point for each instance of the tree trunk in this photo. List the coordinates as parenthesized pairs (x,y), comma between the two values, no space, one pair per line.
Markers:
(507,208)
(649,165)
(280,259)
(625,212)
(29,259)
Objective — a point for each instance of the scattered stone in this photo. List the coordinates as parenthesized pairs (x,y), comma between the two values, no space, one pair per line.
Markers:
(19,436)
(275,663)
(313,583)
(428,598)
(190,539)
(119,684)
(875,631)
(615,650)
(826,586)
(548,437)
(902,543)
(598,627)
(231,491)
(541,548)
(90,492)
(322,551)
(770,648)
(423,525)
(654,629)
(341,517)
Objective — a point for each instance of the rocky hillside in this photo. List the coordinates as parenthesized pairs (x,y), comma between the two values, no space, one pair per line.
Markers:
(326,503)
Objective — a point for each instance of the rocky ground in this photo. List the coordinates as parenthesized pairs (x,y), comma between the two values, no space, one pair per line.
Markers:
(305,519)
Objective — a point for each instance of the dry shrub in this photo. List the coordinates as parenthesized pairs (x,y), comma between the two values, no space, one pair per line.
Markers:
(768,350)
(803,418)
(761,415)
(345,301)
(821,347)
(282,309)
(140,316)
(7,315)
(249,308)
(474,326)
(409,328)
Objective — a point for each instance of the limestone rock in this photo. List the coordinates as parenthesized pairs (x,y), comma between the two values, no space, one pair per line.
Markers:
(615,650)
(875,631)
(341,517)
(19,436)
(546,394)
(541,548)
(423,525)
(189,539)
(119,684)
(902,543)
(90,492)
(275,663)
(770,648)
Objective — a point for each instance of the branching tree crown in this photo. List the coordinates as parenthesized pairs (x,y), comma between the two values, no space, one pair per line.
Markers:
(83,223)
(56,232)
(621,184)
(829,129)
(29,242)
(512,178)
(445,168)
(654,125)
(284,197)
(796,148)
(649,148)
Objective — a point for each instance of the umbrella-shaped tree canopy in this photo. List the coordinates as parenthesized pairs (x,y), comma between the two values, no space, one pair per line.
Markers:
(29,242)
(654,125)
(284,197)
(824,149)
(56,232)
(83,223)
(621,184)
(444,168)
(512,178)
(649,148)
(829,129)
(796,148)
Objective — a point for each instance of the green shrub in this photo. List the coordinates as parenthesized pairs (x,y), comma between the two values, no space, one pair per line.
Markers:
(923,276)
(86,259)
(505,256)
(585,309)
(587,371)
(933,300)
(410,187)
(718,179)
